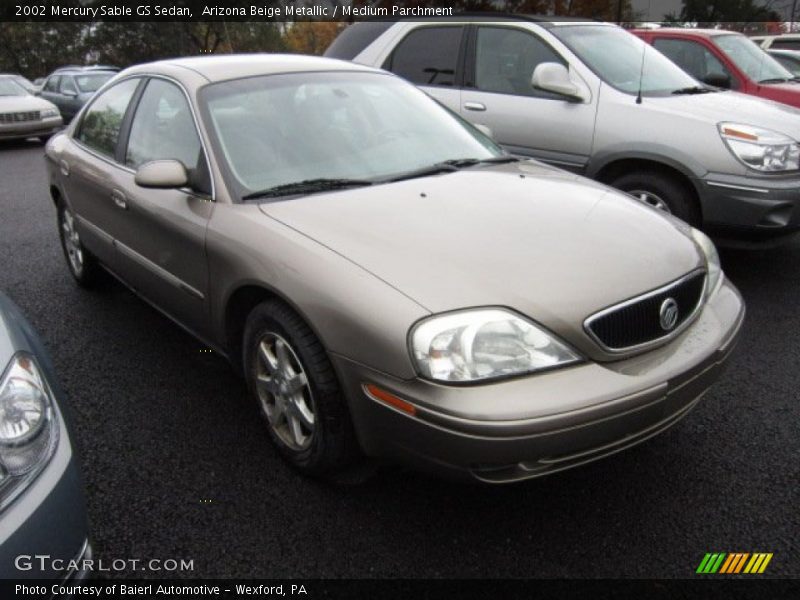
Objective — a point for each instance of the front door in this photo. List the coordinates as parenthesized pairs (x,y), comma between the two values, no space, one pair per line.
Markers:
(161,238)
(498,93)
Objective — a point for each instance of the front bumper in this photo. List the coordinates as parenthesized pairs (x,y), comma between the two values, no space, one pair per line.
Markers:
(531,426)
(750,207)
(43,127)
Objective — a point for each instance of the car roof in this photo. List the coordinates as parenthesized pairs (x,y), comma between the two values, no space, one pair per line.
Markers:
(705,33)
(784,52)
(222,67)
(542,20)
(87,69)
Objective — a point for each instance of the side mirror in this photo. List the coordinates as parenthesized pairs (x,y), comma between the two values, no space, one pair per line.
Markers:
(162,174)
(484,130)
(718,80)
(554,77)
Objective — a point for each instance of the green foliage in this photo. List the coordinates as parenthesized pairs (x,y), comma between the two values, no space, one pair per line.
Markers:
(35,49)
(729,13)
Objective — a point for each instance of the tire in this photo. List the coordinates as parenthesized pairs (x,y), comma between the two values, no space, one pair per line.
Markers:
(661,191)
(294,385)
(81,263)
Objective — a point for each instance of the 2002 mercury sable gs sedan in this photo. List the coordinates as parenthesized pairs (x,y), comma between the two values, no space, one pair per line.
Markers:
(390,283)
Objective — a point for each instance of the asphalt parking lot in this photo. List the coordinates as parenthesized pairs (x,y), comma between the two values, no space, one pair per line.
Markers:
(177,465)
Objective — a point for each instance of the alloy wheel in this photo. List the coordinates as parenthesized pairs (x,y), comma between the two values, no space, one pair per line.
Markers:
(651,199)
(72,242)
(284,393)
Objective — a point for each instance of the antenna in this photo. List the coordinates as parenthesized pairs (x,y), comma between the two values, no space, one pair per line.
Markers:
(641,68)
(641,73)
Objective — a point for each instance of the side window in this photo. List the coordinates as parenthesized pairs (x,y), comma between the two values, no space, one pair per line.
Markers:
(52,83)
(103,120)
(506,58)
(692,57)
(163,128)
(68,85)
(783,44)
(428,56)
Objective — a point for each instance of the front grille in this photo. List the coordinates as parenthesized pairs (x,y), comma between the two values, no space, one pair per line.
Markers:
(638,321)
(19,117)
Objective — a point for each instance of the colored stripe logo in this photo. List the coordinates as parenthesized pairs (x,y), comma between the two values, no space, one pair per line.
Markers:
(733,563)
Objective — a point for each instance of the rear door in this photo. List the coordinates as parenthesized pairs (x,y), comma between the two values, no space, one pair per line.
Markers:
(90,171)
(68,93)
(498,93)
(431,57)
(50,90)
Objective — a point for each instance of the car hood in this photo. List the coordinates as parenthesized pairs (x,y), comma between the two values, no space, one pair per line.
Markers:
(733,106)
(23,104)
(546,243)
(15,332)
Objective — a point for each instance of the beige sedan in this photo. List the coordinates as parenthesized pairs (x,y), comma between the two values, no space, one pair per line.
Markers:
(391,284)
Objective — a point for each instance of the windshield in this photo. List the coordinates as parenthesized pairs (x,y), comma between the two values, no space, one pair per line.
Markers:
(750,58)
(616,57)
(282,129)
(24,83)
(9,87)
(92,83)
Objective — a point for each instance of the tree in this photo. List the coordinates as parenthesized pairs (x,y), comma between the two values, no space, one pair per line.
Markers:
(311,37)
(731,14)
(35,49)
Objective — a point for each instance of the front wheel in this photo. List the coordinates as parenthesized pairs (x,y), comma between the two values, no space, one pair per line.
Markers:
(661,191)
(82,264)
(297,391)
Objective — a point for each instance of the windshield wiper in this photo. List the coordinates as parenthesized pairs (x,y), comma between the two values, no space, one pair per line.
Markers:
(441,167)
(461,163)
(776,80)
(453,164)
(695,89)
(308,186)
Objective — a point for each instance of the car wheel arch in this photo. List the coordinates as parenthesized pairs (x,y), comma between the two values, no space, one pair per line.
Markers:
(239,303)
(613,169)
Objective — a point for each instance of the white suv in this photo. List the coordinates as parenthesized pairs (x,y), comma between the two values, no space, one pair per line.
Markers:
(592,98)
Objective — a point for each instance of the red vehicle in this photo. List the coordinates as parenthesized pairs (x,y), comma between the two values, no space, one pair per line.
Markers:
(725,59)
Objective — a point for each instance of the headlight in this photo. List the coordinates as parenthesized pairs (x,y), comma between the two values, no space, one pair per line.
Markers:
(50,112)
(761,149)
(27,432)
(713,265)
(481,344)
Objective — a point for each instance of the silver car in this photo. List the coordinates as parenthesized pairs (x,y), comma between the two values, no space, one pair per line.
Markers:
(389,281)
(43,525)
(593,98)
(23,115)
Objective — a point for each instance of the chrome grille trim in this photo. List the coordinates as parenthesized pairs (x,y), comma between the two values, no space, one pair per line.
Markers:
(635,300)
(20,117)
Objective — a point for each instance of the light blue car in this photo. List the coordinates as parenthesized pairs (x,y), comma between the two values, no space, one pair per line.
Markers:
(43,523)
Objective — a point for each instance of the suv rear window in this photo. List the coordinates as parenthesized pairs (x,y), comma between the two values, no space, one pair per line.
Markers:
(428,56)
(352,41)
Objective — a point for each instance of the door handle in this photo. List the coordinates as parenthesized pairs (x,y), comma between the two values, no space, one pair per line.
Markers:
(119,199)
(478,106)
(64,168)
